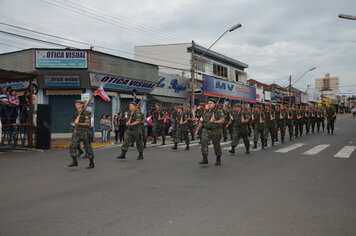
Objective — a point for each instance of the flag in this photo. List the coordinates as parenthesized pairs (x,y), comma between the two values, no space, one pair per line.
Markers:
(100,92)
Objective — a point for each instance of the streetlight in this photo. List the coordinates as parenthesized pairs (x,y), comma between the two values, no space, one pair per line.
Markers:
(290,82)
(347,17)
(235,27)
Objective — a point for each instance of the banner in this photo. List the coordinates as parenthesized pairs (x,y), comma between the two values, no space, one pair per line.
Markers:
(61,59)
(121,83)
(172,86)
(259,95)
(18,84)
(62,81)
(217,87)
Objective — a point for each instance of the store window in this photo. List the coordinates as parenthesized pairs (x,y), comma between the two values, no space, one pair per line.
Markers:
(220,70)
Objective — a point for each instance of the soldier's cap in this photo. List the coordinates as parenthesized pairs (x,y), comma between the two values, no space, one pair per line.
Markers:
(267,105)
(202,104)
(79,101)
(227,105)
(180,107)
(212,100)
(158,104)
(238,105)
(133,103)
(286,106)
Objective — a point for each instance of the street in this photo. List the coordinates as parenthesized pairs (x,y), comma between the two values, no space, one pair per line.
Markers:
(303,187)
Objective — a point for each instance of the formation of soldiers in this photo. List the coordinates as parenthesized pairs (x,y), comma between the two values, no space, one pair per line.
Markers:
(215,122)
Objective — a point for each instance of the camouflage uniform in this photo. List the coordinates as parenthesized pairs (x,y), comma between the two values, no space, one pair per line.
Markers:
(240,130)
(313,119)
(270,126)
(296,121)
(307,121)
(227,116)
(289,122)
(190,128)
(331,117)
(259,128)
(199,113)
(134,133)
(301,122)
(280,124)
(182,130)
(174,125)
(158,126)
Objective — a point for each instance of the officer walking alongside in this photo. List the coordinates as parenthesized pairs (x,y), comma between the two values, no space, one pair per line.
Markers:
(211,123)
(81,134)
(133,132)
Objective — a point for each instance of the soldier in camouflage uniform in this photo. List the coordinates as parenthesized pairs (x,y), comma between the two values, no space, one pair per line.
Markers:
(226,125)
(258,118)
(174,118)
(301,121)
(307,120)
(331,117)
(270,125)
(321,118)
(182,119)
(199,113)
(240,122)
(281,114)
(133,132)
(288,120)
(190,128)
(211,122)
(158,124)
(313,118)
(296,120)
(144,135)
(81,134)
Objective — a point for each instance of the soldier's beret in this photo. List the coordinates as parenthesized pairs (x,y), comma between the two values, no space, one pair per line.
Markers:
(158,104)
(79,101)
(238,105)
(286,106)
(257,106)
(180,107)
(133,103)
(202,104)
(212,100)
(227,105)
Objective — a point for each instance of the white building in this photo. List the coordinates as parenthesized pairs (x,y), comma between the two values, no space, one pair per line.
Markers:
(328,86)
(177,59)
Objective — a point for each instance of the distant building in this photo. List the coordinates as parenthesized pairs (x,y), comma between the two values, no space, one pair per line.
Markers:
(328,86)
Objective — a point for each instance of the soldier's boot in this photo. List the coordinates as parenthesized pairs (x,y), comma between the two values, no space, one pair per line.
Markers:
(254,145)
(272,142)
(132,145)
(225,139)
(276,139)
(164,142)
(140,156)
(328,132)
(144,143)
(232,149)
(192,137)
(80,152)
(154,141)
(91,164)
(175,146)
(282,140)
(290,138)
(122,155)
(204,161)
(187,147)
(218,161)
(247,150)
(74,162)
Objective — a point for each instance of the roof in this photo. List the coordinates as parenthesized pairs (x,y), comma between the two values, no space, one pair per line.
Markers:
(219,56)
(10,75)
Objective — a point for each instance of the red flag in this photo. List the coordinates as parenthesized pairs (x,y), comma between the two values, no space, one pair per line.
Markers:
(100,92)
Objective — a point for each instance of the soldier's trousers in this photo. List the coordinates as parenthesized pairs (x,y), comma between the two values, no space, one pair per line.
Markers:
(190,128)
(312,123)
(289,124)
(81,136)
(158,130)
(330,124)
(307,126)
(270,129)
(225,130)
(301,126)
(282,127)
(181,133)
(258,132)
(296,128)
(237,135)
(131,137)
(210,135)
(174,130)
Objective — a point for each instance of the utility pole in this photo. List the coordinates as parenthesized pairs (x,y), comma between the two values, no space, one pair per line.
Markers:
(192,74)
(290,90)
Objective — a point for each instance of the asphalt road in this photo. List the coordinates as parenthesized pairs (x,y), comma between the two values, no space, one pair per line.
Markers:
(305,189)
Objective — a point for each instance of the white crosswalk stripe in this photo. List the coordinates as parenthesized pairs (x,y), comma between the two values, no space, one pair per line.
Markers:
(290,148)
(315,150)
(345,152)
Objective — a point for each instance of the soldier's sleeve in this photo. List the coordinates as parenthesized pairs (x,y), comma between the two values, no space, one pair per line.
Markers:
(86,118)
(220,115)
(139,116)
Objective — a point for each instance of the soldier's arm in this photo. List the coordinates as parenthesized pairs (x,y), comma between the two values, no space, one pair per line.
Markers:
(200,125)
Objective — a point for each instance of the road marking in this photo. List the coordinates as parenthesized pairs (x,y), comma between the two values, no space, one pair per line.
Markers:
(221,144)
(315,150)
(290,148)
(345,152)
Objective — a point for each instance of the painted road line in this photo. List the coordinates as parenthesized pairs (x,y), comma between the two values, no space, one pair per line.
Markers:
(315,150)
(345,152)
(290,148)
(221,144)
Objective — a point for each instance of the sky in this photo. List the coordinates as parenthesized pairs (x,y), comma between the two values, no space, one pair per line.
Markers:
(278,38)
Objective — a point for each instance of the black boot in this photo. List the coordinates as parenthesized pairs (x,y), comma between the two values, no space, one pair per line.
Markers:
(247,150)
(262,145)
(140,156)
(132,145)
(204,161)
(232,149)
(163,142)
(218,161)
(175,146)
(122,155)
(154,141)
(74,162)
(272,143)
(187,147)
(282,140)
(225,139)
(254,145)
(91,164)
(144,144)
(192,137)
(290,138)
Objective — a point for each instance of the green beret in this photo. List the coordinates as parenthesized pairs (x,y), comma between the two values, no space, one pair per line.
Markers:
(238,105)
(133,103)
(202,104)
(158,104)
(79,101)
(212,100)
(227,105)
(257,106)
(180,107)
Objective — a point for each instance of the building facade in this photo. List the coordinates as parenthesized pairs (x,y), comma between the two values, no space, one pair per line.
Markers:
(329,86)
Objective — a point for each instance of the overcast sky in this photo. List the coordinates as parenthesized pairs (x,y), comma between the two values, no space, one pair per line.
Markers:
(278,37)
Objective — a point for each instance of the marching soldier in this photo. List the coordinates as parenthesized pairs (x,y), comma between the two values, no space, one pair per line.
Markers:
(288,119)
(270,117)
(182,119)
(190,128)
(81,133)
(301,120)
(174,118)
(158,124)
(331,117)
(280,122)
(296,120)
(313,118)
(211,122)
(240,122)
(258,118)
(144,136)
(199,113)
(307,120)
(226,125)
(133,132)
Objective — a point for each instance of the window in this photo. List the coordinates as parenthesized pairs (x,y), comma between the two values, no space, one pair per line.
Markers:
(200,65)
(237,76)
(220,70)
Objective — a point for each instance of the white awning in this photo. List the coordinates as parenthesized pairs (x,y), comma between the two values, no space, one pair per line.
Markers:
(64,92)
